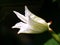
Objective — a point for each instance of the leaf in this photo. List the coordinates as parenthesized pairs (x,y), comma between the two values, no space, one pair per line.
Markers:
(51,41)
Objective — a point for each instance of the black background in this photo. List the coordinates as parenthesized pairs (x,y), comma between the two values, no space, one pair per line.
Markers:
(46,9)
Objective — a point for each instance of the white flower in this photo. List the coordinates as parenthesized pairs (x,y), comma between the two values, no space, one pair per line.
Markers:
(31,23)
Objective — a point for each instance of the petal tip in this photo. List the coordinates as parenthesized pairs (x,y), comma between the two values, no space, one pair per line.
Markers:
(18,32)
(15,12)
(13,26)
(25,7)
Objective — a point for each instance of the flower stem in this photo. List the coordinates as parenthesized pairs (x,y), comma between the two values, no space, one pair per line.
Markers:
(55,36)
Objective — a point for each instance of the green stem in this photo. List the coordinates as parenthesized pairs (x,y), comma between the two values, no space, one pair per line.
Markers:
(55,36)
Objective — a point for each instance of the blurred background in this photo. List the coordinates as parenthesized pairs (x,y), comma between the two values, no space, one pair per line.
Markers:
(46,9)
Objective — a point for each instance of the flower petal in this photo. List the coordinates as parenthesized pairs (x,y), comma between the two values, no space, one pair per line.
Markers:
(25,28)
(18,25)
(38,19)
(39,24)
(27,12)
(20,16)
(38,27)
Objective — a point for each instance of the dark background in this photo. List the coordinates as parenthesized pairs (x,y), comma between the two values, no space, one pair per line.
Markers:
(46,9)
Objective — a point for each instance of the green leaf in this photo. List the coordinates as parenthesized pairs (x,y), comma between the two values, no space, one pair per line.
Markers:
(51,41)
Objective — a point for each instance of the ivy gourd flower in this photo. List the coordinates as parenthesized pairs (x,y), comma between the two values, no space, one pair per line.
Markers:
(31,23)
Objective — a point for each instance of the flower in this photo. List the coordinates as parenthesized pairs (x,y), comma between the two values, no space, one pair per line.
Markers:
(31,23)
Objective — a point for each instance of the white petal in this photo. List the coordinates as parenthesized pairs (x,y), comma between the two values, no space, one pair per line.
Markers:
(18,25)
(25,28)
(39,24)
(37,19)
(27,12)
(20,16)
